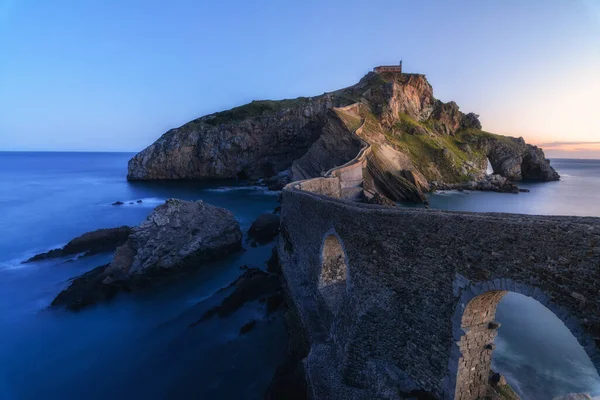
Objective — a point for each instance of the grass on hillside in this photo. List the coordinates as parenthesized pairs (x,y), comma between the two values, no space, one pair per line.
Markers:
(425,147)
(351,121)
(253,109)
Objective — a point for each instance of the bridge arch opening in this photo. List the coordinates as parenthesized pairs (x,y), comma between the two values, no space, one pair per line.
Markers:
(539,354)
(334,272)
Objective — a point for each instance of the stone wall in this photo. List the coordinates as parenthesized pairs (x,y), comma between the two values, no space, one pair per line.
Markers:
(476,346)
(344,181)
(411,274)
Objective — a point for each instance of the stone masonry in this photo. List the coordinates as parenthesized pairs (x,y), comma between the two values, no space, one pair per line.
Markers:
(416,308)
(476,345)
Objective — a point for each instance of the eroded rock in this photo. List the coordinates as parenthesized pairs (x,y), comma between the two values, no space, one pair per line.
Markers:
(177,235)
(90,243)
(252,285)
(265,228)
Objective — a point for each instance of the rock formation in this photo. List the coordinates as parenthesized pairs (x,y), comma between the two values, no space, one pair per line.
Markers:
(252,285)
(177,235)
(415,139)
(265,228)
(99,241)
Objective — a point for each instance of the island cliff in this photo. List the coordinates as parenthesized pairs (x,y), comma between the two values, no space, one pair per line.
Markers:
(415,140)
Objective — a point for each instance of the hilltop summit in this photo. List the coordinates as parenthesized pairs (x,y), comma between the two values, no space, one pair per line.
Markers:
(414,137)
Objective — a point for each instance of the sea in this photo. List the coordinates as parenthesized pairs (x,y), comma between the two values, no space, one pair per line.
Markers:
(142,345)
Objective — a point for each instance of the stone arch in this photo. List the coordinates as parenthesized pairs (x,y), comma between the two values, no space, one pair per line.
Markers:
(333,277)
(475,329)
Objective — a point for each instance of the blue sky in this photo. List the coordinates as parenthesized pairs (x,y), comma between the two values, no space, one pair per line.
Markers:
(115,74)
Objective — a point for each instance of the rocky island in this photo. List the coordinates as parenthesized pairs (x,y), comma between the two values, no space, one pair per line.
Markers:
(417,143)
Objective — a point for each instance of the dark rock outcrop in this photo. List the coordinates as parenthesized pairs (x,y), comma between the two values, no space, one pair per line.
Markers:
(90,243)
(252,285)
(489,183)
(265,228)
(278,182)
(177,235)
(513,158)
(394,186)
(247,327)
(91,288)
(253,141)
(335,146)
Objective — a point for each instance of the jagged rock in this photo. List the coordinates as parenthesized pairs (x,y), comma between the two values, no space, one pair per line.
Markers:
(117,203)
(265,228)
(335,146)
(377,198)
(177,235)
(278,181)
(536,167)
(471,121)
(393,185)
(95,242)
(252,285)
(448,117)
(247,327)
(253,141)
(514,159)
(497,379)
(489,183)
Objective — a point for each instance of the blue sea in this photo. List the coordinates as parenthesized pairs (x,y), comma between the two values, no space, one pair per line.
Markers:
(141,346)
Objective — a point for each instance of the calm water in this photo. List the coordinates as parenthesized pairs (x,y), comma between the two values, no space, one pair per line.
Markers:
(136,346)
(577,193)
(535,351)
(141,347)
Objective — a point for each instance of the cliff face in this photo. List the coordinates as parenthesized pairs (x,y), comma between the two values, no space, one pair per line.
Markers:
(412,134)
(253,141)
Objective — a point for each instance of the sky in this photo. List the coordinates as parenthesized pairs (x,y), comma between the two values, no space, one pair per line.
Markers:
(113,75)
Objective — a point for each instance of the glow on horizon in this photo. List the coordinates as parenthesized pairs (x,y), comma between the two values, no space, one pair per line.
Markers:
(114,76)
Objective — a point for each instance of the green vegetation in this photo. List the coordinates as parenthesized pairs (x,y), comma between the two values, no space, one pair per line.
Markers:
(351,121)
(253,109)
(502,392)
(476,135)
(426,148)
(409,125)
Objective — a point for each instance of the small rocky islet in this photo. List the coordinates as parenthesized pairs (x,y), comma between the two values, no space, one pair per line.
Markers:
(176,236)
(417,143)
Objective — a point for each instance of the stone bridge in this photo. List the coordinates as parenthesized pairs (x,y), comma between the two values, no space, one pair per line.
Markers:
(393,299)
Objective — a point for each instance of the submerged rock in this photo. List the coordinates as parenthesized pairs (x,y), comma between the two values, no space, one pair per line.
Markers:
(247,327)
(252,285)
(90,243)
(278,181)
(265,228)
(177,235)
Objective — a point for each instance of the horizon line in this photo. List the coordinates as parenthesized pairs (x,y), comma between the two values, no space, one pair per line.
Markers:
(128,151)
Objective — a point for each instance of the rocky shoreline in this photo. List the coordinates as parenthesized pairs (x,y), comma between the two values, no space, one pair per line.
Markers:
(90,243)
(177,235)
(489,183)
